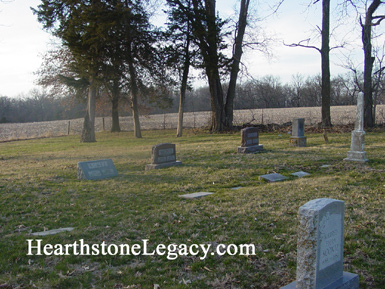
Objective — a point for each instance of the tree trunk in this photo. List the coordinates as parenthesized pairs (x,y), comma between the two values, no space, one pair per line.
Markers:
(217,109)
(368,67)
(88,132)
(237,54)
(325,64)
(115,112)
(134,100)
(182,96)
(212,69)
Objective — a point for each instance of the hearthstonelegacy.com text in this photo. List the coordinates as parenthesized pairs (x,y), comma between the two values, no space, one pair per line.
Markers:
(171,251)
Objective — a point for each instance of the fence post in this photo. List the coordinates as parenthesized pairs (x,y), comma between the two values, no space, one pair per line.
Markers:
(69,127)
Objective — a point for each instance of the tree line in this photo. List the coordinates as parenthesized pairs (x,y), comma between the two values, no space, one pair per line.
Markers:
(264,92)
(111,49)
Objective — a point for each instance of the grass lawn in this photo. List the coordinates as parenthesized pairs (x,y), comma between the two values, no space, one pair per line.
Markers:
(39,190)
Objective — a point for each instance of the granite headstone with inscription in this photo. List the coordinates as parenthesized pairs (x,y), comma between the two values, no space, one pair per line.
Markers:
(320,247)
(97,170)
(163,156)
(250,141)
(298,138)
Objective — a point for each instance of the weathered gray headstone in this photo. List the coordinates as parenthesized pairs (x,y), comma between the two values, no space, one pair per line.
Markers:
(298,133)
(273,177)
(357,153)
(250,141)
(195,195)
(163,156)
(320,247)
(97,170)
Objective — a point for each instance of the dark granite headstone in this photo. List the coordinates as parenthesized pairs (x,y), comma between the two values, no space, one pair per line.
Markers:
(97,170)
(250,141)
(163,155)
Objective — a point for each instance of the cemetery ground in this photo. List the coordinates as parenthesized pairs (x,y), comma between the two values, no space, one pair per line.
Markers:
(40,191)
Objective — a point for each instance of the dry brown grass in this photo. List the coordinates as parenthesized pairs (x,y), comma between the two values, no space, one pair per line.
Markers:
(341,115)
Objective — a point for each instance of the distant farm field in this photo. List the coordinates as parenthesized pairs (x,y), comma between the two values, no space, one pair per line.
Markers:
(341,115)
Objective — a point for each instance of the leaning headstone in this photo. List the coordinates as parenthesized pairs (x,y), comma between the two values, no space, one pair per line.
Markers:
(97,170)
(298,138)
(320,247)
(250,141)
(163,156)
(195,195)
(357,153)
(271,178)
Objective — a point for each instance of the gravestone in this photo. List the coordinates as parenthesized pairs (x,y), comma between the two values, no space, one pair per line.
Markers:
(163,156)
(97,170)
(357,153)
(300,174)
(250,141)
(320,247)
(271,178)
(52,232)
(298,138)
(195,195)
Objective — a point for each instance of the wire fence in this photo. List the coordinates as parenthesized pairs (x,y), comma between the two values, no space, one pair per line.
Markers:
(341,115)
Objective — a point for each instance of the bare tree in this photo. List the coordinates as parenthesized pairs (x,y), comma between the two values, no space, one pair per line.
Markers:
(378,76)
(236,60)
(325,60)
(370,21)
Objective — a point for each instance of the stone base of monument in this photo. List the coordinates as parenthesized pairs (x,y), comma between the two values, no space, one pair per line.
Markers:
(298,141)
(348,281)
(356,157)
(357,153)
(250,149)
(162,166)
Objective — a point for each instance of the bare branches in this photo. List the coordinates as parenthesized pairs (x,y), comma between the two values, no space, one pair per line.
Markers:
(378,20)
(300,44)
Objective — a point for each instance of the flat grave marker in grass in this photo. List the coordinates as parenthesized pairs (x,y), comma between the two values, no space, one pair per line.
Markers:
(320,247)
(163,156)
(195,195)
(52,232)
(250,141)
(97,170)
(300,174)
(271,178)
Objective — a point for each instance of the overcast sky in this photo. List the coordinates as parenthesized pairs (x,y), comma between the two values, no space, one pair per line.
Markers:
(22,42)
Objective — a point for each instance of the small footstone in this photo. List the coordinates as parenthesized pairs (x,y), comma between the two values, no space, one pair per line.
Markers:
(324,166)
(273,177)
(195,195)
(52,232)
(300,174)
(236,188)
